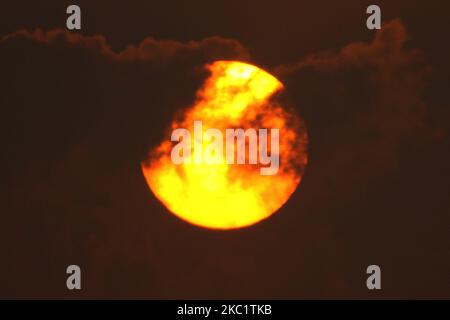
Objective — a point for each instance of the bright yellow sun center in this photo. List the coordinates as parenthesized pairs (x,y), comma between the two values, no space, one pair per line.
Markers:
(222,195)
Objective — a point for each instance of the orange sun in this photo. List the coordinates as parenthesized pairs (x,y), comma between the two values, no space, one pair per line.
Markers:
(222,195)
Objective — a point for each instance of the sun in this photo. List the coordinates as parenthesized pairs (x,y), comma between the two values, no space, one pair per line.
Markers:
(221,195)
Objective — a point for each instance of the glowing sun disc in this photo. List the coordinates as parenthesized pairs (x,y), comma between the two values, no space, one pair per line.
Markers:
(222,195)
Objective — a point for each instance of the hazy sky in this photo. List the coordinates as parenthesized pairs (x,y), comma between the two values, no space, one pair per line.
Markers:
(79,113)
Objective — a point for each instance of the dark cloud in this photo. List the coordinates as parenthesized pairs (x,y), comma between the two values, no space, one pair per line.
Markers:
(370,96)
(150,49)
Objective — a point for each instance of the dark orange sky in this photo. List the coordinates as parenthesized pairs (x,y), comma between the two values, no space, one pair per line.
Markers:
(80,112)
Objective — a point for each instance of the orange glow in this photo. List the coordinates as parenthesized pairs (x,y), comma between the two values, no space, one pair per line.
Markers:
(229,196)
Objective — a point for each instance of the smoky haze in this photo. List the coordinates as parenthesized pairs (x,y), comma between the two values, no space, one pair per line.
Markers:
(80,112)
